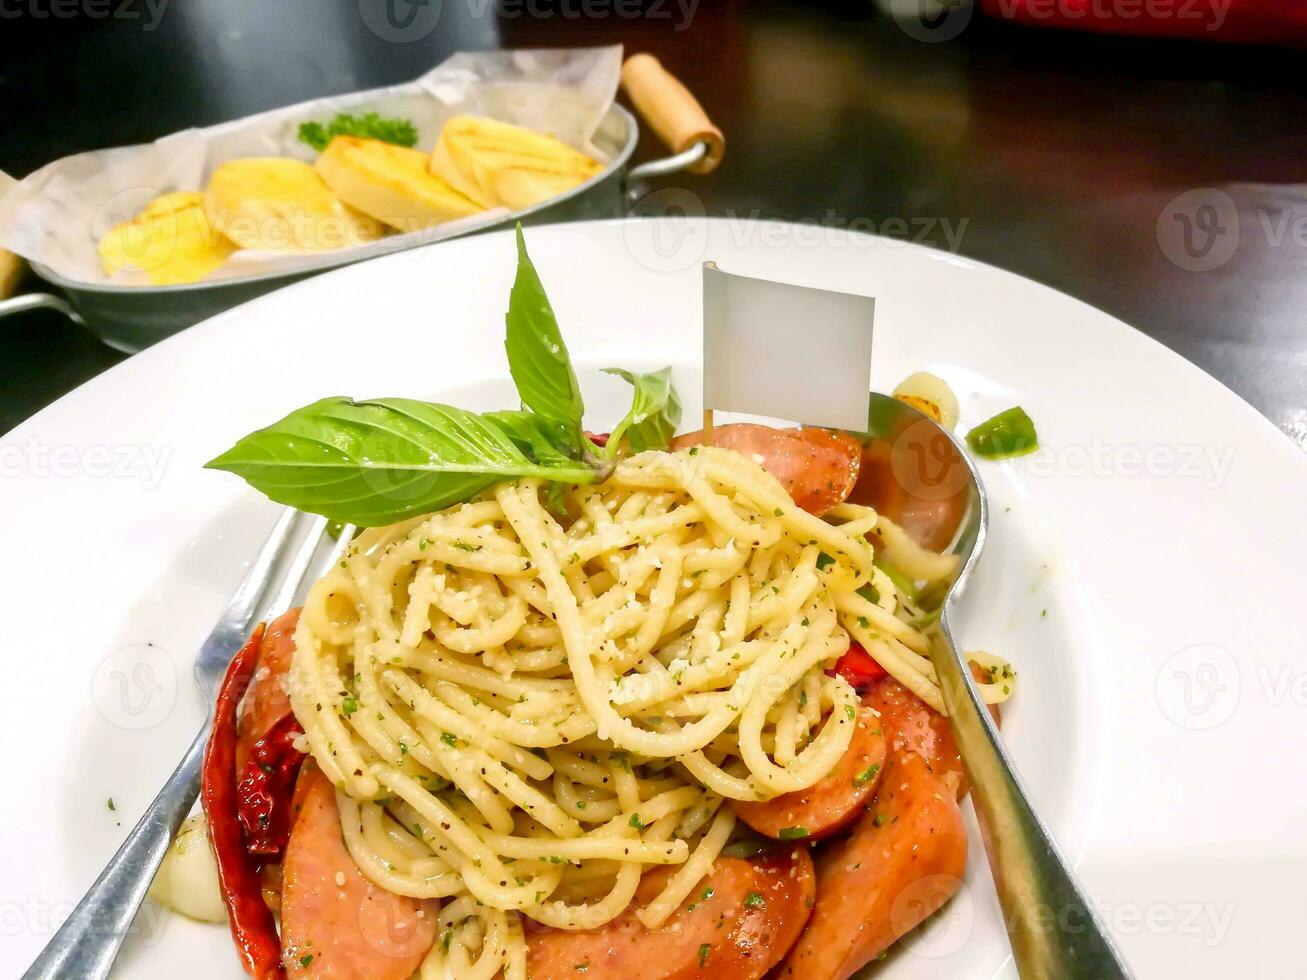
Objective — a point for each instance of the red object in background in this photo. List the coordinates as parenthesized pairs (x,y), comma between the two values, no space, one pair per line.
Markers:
(858,668)
(1265,21)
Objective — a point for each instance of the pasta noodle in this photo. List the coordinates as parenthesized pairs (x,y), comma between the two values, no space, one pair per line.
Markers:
(523,715)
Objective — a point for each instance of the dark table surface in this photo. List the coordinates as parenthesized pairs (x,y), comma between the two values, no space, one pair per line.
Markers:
(1155,180)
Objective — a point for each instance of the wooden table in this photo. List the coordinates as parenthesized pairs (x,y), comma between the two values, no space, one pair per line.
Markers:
(1155,180)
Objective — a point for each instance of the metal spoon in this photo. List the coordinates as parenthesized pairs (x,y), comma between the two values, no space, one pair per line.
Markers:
(927,483)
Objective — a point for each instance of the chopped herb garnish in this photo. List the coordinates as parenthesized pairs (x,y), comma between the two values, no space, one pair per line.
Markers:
(778,512)
(636,822)
(754,900)
(704,950)
(870,593)
(306,959)
(349,705)
(824,561)
(850,712)
(112,806)
(449,739)
(793,833)
(866,776)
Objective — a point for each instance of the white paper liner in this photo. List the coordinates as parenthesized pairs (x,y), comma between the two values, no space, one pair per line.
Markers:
(57,215)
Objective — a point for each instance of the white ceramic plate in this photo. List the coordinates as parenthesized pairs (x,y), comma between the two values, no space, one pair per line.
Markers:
(1143,571)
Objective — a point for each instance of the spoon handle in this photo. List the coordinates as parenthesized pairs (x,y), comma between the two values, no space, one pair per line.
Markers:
(1051,926)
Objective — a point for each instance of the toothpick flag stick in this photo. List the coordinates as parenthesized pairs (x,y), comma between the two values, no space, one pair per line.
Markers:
(786,352)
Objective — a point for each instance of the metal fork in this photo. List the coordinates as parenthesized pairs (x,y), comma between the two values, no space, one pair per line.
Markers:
(88,942)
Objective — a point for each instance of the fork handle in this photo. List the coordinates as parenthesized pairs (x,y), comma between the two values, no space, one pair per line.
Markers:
(1050,924)
(87,943)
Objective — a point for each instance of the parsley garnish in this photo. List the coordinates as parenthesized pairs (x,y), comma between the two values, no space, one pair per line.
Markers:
(754,900)
(370,125)
(792,833)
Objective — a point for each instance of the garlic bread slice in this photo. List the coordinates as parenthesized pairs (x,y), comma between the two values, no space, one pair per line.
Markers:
(170,241)
(390,183)
(282,204)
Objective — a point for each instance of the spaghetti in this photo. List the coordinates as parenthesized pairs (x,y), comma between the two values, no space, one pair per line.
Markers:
(523,715)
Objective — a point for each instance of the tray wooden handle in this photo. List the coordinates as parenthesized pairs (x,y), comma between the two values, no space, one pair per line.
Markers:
(11,271)
(671,111)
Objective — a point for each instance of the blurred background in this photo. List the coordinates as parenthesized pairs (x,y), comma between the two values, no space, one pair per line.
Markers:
(1156,177)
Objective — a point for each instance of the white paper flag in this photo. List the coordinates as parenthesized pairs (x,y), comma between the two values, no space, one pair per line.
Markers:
(787,352)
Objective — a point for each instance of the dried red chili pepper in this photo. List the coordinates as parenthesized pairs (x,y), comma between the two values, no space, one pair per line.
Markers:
(858,668)
(264,792)
(252,925)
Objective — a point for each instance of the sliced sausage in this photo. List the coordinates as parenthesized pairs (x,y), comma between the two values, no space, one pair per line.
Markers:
(335,924)
(834,802)
(903,860)
(817,467)
(736,925)
(912,725)
(918,480)
(268,701)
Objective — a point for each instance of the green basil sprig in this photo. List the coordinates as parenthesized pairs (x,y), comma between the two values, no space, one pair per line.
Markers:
(377,462)
(538,358)
(380,461)
(655,410)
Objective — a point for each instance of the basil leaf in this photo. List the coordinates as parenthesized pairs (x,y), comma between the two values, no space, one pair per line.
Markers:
(378,462)
(537,356)
(655,411)
(1007,434)
(531,435)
